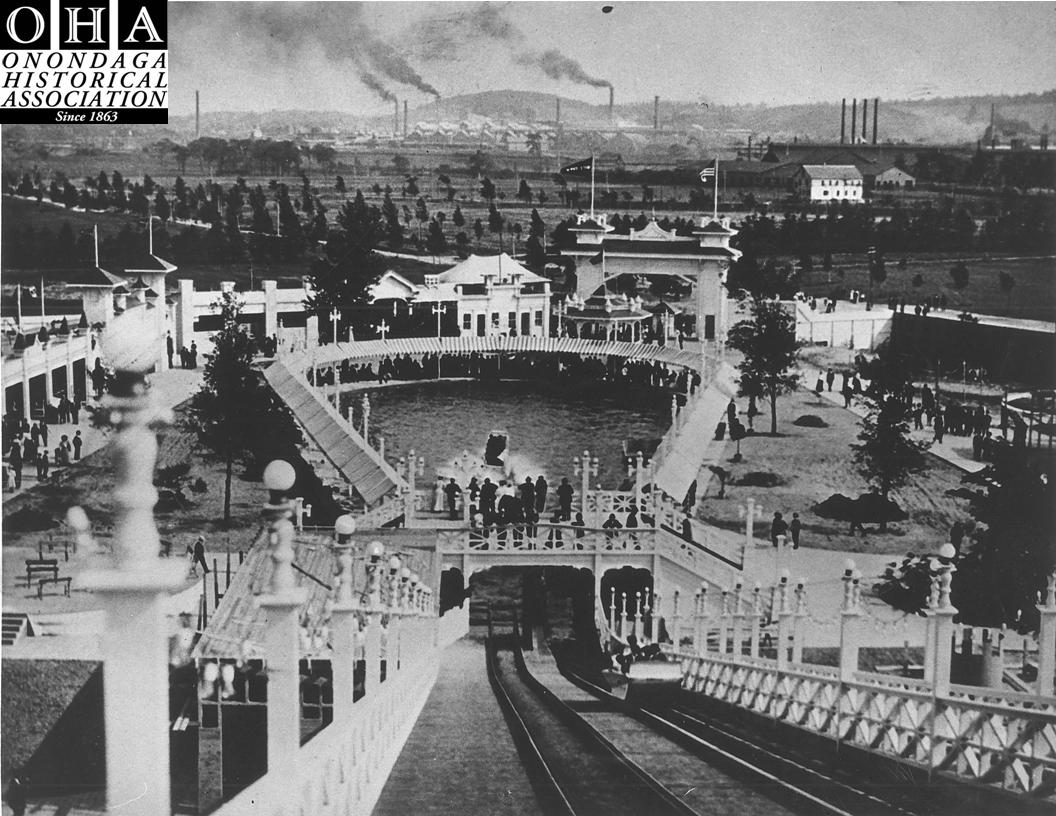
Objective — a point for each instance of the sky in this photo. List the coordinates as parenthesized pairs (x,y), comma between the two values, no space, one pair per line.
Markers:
(329,55)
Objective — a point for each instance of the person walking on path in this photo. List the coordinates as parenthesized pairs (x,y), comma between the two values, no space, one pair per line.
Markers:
(198,556)
(194,354)
(78,441)
(778,527)
(44,433)
(169,348)
(794,529)
(42,465)
(830,378)
(14,461)
(541,486)
(565,492)
(451,491)
(939,426)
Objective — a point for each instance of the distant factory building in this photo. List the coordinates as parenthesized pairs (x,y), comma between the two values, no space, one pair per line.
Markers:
(829,182)
(886,177)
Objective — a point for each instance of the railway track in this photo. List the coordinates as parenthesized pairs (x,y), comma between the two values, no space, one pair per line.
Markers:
(574,771)
(795,783)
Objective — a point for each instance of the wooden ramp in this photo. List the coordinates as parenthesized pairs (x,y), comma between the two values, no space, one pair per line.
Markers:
(364,468)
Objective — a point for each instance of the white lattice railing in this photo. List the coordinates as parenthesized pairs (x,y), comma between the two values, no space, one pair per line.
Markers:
(344,768)
(414,346)
(599,503)
(390,508)
(546,538)
(986,740)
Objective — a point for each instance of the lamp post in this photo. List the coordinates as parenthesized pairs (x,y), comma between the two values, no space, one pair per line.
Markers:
(410,467)
(366,415)
(585,467)
(334,317)
(134,589)
(282,604)
(343,620)
(438,309)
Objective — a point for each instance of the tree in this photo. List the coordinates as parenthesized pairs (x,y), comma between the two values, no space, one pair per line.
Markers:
(234,412)
(411,186)
(918,281)
(480,163)
(457,218)
(959,275)
(436,242)
(401,163)
(478,230)
(343,277)
(487,189)
(768,342)
(524,192)
(339,185)
(885,453)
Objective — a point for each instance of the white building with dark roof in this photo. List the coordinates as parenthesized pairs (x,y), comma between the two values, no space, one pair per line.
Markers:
(829,182)
(491,295)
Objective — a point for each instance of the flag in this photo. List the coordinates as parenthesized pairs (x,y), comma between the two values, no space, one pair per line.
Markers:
(581,166)
(707,173)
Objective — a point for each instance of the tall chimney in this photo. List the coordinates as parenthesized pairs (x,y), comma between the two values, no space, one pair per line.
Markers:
(404,118)
(865,119)
(396,118)
(993,130)
(557,116)
(854,119)
(197,120)
(612,92)
(876,112)
(656,113)
(843,121)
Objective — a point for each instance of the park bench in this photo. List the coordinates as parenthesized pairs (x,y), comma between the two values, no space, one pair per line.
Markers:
(65,580)
(41,566)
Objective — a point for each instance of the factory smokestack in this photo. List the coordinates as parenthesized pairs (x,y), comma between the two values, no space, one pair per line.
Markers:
(197,120)
(395,118)
(865,120)
(656,113)
(854,119)
(612,97)
(876,112)
(843,121)
(557,115)
(404,118)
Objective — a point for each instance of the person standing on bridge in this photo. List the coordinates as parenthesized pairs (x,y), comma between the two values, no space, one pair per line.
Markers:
(565,491)
(452,491)
(794,528)
(528,495)
(487,497)
(778,527)
(541,486)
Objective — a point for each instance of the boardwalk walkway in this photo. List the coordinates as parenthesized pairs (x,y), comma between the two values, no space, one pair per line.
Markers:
(460,757)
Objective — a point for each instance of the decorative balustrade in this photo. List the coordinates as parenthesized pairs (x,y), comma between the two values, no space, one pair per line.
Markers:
(547,537)
(1014,749)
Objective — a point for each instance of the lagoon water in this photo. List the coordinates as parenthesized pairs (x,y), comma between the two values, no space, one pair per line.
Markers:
(547,423)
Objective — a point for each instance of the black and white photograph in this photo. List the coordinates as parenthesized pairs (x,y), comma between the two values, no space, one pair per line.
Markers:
(528,408)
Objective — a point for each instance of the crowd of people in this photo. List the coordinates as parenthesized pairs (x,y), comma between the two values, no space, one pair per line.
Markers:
(27,445)
(531,365)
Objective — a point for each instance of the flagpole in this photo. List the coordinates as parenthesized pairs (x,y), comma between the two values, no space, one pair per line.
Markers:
(592,186)
(18,296)
(715,211)
(42,297)
(95,235)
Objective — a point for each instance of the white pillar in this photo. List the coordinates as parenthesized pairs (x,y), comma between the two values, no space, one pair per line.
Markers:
(1047,640)
(282,633)
(849,616)
(134,592)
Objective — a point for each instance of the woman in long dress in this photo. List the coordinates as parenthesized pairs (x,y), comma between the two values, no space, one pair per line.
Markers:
(438,494)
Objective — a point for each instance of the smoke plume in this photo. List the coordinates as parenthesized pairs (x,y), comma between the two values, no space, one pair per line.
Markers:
(558,66)
(339,31)
(372,82)
(444,37)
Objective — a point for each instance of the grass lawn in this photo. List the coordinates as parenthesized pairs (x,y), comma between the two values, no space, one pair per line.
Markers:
(1032,297)
(91,485)
(814,463)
